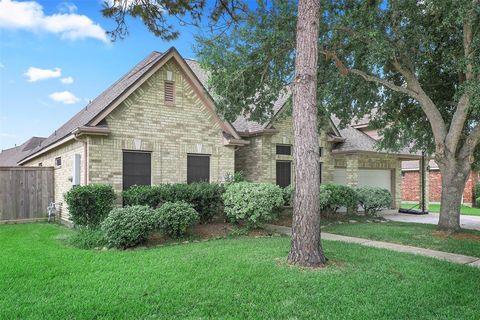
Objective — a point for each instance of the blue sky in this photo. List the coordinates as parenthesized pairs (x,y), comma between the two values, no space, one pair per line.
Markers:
(54,58)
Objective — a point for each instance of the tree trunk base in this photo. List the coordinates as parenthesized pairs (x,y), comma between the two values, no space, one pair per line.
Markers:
(317,260)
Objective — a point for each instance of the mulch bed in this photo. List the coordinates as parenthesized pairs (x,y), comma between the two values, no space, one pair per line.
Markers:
(202,232)
(456,236)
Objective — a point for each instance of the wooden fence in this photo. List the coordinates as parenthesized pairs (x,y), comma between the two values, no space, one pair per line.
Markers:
(25,193)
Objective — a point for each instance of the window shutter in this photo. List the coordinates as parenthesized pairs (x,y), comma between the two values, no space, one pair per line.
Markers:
(169,92)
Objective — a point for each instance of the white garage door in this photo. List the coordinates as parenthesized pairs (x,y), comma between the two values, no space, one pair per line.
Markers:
(375,178)
(372,178)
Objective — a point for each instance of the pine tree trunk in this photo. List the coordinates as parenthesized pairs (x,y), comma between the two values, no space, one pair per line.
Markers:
(306,248)
(454,178)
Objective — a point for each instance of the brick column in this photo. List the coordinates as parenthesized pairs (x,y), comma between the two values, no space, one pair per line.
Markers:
(352,171)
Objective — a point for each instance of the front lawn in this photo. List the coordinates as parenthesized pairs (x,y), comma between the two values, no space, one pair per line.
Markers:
(416,234)
(234,278)
(466,210)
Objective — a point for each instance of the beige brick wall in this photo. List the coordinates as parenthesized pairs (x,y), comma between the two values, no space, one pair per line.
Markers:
(354,162)
(143,122)
(258,160)
(63,173)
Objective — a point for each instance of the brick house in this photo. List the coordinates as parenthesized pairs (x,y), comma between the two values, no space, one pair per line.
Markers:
(411,183)
(158,124)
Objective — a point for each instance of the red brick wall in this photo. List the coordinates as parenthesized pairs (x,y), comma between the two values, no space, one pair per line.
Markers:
(411,186)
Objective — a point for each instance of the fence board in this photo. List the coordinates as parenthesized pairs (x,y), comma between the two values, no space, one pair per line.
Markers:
(25,192)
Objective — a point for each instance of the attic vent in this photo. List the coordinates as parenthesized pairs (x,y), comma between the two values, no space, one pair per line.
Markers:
(169,92)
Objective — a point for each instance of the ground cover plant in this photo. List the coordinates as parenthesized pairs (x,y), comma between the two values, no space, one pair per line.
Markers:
(236,278)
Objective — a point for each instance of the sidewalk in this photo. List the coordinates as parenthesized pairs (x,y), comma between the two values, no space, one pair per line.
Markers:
(466,222)
(440,255)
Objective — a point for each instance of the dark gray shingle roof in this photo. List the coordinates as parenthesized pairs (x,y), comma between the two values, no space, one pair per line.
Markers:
(10,157)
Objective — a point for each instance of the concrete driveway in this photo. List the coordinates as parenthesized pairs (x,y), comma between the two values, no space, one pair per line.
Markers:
(466,222)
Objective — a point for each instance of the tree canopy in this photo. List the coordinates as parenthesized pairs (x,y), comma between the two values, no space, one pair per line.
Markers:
(412,66)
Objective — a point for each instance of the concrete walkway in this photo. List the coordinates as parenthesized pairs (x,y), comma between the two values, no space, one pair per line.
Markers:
(440,255)
(466,222)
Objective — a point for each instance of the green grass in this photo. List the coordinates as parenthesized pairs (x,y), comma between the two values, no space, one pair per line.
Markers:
(466,210)
(241,278)
(415,234)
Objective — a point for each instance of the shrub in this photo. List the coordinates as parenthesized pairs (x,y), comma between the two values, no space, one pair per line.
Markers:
(127,227)
(90,204)
(237,176)
(84,238)
(335,196)
(205,197)
(477,194)
(373,199)
(175,218)
(252,203)
(288,193)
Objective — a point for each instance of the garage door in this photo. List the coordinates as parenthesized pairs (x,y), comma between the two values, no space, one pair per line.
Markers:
(375,178)
(366,177)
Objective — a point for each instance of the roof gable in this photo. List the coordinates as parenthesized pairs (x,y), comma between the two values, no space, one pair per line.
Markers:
(107,101)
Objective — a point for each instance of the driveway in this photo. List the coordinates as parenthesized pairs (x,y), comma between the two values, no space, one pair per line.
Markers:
(466,222)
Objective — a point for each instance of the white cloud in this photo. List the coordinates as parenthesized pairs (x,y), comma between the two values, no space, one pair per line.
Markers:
(36,74)
(29,16)
(67,7)
(2,65)
(67,80)
(65,97)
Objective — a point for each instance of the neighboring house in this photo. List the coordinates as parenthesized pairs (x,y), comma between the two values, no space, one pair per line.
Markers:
(10,157)
(411,177)
(158,124)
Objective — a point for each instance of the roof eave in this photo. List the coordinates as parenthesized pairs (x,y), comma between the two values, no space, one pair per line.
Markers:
(404,156)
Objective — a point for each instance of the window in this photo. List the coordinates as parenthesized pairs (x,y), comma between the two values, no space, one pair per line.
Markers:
(198,168)
(169,92)
(284,149)
(58,162)
(284,173)
(40,164)
(136,169)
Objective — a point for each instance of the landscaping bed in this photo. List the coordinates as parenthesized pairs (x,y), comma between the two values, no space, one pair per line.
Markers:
(238,278)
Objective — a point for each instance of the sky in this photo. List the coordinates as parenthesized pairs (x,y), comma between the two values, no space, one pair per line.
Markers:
(55,57)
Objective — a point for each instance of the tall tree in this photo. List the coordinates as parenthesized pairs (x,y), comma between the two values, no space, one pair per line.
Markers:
(306,248)
(412,66)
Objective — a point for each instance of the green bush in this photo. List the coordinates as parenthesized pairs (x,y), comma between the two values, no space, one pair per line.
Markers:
(89,205)
(373,199)
(205,197)
(129,226)
(235,177)
(288,193)
(335,196)
(477,194)
(252,203)
(84,238)
(175,218)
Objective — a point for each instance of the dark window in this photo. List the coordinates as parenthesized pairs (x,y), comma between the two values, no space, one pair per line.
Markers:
(198,168)
(136,169)
(58,162)
(169,92)
(40,164)
(284,149)
(284,173)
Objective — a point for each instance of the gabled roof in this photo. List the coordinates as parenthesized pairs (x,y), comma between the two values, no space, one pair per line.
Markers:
(101,106)
(10,157)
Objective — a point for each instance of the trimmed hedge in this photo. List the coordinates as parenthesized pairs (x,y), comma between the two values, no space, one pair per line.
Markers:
(206,198)
(89,205)
(335,196)
(128,227)
(477,195)
(374,199)
(288,193)
(175,218)
(252,203)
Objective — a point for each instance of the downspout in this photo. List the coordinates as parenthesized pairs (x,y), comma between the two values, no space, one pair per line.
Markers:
(85,162)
